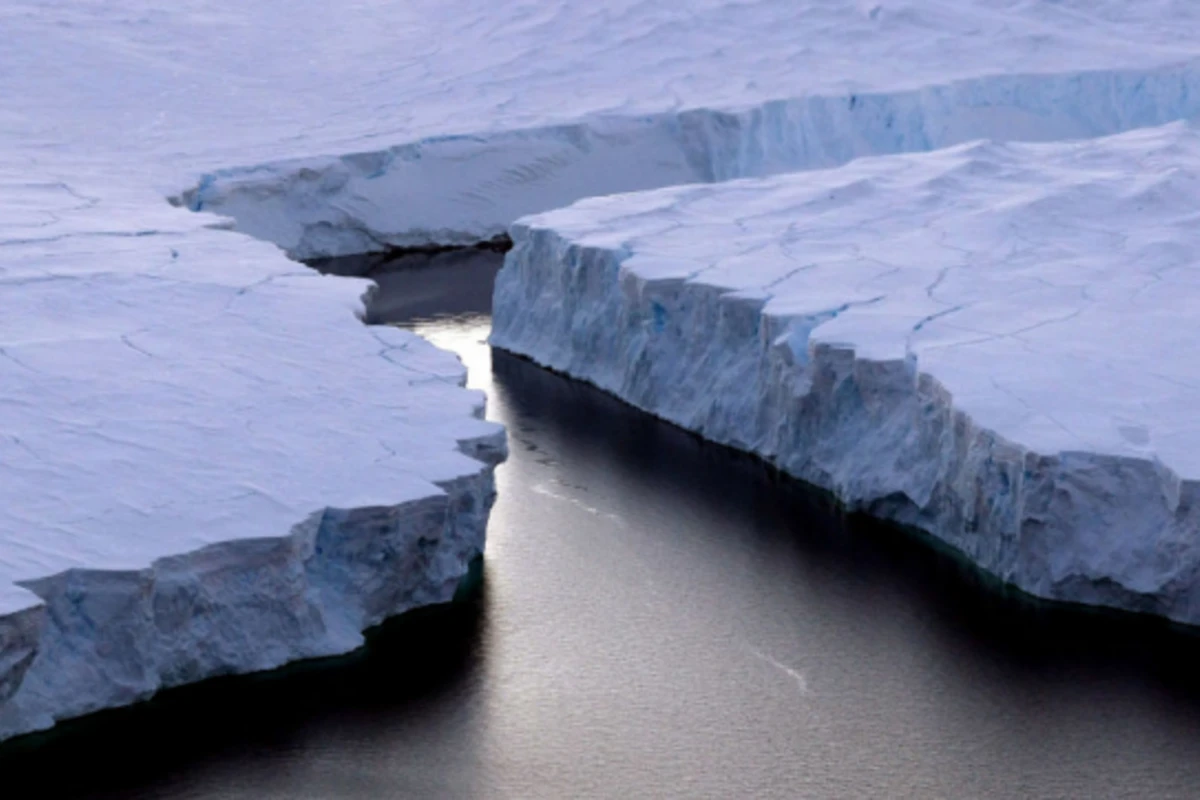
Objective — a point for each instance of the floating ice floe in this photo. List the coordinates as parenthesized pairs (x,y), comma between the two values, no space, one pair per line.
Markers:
(208,465)
(997,344)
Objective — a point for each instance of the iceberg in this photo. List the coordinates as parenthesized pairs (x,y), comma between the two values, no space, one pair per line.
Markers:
(993,343)
(208,464)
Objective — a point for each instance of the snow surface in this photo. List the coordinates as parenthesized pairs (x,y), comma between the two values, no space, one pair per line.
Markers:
(499,110)
(179,404)
(996,343)
(207,463)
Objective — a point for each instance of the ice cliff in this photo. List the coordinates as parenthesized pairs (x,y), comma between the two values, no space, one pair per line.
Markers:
(461,190)
(534,106)
(208,465)
(993,343)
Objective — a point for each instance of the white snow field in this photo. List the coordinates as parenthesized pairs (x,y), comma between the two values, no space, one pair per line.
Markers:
(481,112)
(995,343)
(208,465)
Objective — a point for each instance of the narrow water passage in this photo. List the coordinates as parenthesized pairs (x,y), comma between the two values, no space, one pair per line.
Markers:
(663,618)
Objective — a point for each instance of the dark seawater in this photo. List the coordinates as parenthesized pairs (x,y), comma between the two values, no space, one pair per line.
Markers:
(662,618)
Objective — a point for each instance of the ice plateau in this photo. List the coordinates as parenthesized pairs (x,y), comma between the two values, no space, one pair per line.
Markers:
(995,343)
(207,465)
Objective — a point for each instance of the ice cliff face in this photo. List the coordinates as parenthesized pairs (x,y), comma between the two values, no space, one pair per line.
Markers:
(109,638)
(208,464)
(461,190)
(533,107)
(991,343)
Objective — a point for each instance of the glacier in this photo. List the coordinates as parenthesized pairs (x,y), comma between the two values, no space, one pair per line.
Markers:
(208,465)
(993,343)
(731,90)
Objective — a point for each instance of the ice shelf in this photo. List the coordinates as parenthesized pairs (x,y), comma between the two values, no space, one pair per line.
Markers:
(997,344)
(200,445)
(533,106)
(208,464)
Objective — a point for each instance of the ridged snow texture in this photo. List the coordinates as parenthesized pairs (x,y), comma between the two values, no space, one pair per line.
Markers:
(108,638)
(994,344)
(463,189)
(208,464)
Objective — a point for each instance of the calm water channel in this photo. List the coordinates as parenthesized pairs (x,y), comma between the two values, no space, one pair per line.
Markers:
(662,618)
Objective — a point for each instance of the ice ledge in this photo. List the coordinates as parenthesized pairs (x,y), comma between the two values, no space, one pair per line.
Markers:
(107,638)
(208,465)
(995,344)
(464,189)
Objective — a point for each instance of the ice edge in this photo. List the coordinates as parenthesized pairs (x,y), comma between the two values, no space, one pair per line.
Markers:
(94,639)
(462,189)
(881,435)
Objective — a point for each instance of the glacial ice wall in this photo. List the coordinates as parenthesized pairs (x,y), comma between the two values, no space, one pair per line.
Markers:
(993,343)
(465,189)
(104,638)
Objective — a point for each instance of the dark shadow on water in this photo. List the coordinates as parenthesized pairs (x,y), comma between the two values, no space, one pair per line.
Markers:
(410,668)
(891,613)
(972,611)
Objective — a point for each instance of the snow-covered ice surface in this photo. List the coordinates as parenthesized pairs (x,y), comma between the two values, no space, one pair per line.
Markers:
(179,404)
(207,463)
(482,112)
(996,343)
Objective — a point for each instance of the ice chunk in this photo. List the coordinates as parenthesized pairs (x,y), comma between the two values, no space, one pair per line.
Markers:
(207,463)
(994,343)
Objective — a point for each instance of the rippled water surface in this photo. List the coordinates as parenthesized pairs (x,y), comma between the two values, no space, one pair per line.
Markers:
(662,618)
